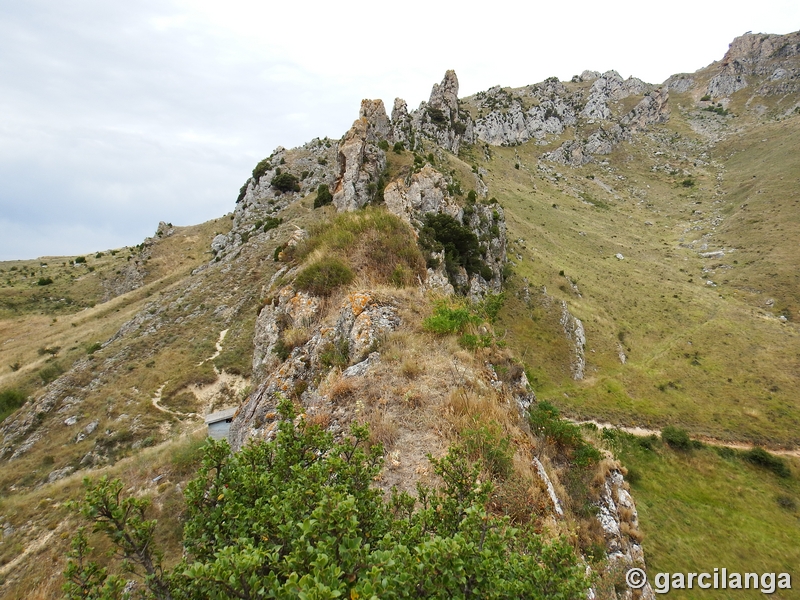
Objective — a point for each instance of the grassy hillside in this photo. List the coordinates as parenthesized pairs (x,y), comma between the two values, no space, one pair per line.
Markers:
(709,508)
(702,347)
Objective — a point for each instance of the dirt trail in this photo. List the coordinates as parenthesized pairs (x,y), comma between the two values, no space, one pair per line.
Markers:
(225,384)
(31,548)
(221,339)
(645,432)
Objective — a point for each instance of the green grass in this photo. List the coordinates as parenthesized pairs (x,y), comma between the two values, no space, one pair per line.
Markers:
(372,242)
(705,508)
(711,359)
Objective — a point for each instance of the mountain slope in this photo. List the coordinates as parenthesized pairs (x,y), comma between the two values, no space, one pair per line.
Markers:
(643,237)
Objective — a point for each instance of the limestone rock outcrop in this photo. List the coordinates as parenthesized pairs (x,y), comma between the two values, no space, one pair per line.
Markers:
(360,160)
(537,111)
(440,120)
(402,128)
(619,520)
(293,348)
(426,192)
(761,56)
(573,330)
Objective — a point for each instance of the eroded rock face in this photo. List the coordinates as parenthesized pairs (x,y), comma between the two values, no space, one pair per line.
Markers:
(379,128)
(401,123)
(610,86)
(427,193)
(361,322)
(680,83)
(620,522)
(361,162)
(440,119)
(573,329)
(516,125)
(756,55)
(652,109)
(291,310)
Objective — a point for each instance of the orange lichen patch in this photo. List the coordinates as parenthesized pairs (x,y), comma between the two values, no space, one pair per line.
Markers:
(358,302)
(302,305)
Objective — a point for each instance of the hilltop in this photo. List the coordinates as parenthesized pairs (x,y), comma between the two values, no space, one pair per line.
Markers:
(621,251)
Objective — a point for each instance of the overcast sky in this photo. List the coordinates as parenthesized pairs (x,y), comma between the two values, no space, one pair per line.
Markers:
(117,115)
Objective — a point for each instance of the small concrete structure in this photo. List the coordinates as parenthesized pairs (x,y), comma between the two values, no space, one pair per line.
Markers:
(219,423)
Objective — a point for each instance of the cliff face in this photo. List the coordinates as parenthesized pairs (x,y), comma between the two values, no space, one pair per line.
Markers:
(768,61)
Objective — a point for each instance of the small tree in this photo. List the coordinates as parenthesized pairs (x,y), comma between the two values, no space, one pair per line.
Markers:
(298,517)
(285,182)
(324,196)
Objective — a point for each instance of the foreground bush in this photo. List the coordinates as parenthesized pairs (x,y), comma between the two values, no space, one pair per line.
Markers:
(298,518)
(325,275)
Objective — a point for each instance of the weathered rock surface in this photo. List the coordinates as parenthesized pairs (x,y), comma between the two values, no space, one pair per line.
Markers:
(573,329)
(620,522)
(360,160)
(535,112)
(427,193)
(361,322)
(680,83)
(761,56)
(650,110)
(440,120)
(401,123)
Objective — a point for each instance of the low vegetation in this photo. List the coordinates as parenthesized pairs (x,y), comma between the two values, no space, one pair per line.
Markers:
(711,506)
(311,524)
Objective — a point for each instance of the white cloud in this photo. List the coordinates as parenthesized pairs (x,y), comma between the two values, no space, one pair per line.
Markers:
(118,115)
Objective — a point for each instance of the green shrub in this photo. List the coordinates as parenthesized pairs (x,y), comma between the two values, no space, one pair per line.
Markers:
(50,372)
(335,354)
(676,437)
(494,450)
(460,244)
(80,260)
(10,400)
(446,320)
(705,98)
(242,192)
(325,275)
(44,281)
(94,348)
(545,421)
(762,458)
(272,223)
(324,196)
(717,109)
(437,116)
(299,517)
(398,147)
(285,182)
(258,172)
(471,341)
(383,145)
